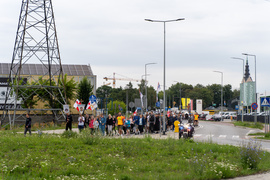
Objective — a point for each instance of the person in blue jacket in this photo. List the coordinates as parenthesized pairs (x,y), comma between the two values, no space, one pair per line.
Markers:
(136,123)
(140,123)
(102,124)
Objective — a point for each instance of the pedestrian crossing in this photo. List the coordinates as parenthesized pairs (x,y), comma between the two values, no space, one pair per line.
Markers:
(207,136)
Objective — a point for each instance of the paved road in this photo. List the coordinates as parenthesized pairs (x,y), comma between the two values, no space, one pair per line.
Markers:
(226,133)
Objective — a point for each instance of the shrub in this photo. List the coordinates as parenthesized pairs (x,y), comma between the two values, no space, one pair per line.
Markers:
(250,154)
(88,138)
(69,134)
(267,135)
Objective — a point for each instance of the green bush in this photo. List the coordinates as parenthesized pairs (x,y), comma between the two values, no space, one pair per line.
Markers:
(69,134)
(90,139)
(251,154)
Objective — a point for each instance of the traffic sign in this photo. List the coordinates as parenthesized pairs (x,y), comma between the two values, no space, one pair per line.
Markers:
(158,104)
(265,101)
(236,107)
(254,106)
(93,99)
(131,104)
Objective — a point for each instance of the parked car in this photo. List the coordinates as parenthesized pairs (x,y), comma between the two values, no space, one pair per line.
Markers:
(262,114)
(217,117)
(225,115)
(202,116)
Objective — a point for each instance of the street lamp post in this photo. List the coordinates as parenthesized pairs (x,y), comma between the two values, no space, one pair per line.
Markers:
(146,106)
(241,59)
(126,101)
(221,97)
(145,85)
(164,72)
(246,54)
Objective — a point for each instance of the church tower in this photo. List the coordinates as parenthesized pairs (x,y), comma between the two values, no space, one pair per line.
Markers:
(247,88)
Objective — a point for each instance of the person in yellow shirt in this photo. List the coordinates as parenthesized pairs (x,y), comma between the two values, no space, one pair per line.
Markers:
(196,119)
(120,123)
(176,126)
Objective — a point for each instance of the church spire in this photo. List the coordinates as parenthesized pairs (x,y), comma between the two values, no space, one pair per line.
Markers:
(247,77)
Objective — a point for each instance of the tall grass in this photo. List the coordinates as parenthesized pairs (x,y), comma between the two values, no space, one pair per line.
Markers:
(87,156)
(249,124)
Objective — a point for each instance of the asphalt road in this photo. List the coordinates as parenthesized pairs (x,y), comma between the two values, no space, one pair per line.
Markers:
(226,133)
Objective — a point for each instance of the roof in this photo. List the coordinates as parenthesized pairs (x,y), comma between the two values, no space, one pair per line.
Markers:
(39,69)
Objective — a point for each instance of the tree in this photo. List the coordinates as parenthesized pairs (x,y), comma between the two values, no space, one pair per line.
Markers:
(104,91)
(54,101)
(118,94)
(236,94)
(25,94)
(142,86)
(216,90)
(115,107)
(200,92)
(173,92)
(227,93)
(70,87)
(84,90)
(151,96)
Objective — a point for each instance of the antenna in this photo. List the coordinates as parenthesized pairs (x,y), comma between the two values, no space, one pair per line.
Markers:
(36,72)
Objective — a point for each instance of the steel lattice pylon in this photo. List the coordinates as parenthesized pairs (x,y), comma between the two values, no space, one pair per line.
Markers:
(36,43)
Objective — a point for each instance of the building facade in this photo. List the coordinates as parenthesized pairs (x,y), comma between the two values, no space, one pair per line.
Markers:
(77,72)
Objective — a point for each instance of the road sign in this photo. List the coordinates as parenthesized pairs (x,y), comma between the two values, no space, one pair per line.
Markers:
(93,98)
(236,107)
(158,104)
(265,101)
(254,106)
(131,104)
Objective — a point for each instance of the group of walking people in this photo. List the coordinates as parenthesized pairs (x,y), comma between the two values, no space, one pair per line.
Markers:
(119,125)
(135,124)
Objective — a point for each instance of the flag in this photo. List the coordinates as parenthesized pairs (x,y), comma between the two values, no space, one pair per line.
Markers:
(91,105)
(158,89)
(141,96)
(76,104)
(168,113)
(134,114)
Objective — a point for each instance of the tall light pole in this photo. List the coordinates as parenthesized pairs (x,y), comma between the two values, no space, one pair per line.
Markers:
(221,97)
(180,96)
(126,101)
(146,106)
(164,72)
(145,85)
(246,54)
(241,59)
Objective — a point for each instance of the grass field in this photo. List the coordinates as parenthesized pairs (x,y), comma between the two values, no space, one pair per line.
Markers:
(261,135)
(249,124)
(82,156)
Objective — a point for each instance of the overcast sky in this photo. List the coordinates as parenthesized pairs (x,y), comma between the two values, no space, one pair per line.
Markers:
(112,36)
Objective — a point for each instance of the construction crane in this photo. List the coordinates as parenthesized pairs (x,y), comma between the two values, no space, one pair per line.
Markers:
(121,79)
(107,84)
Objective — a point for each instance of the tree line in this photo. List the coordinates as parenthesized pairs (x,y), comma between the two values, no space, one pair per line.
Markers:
(210,94)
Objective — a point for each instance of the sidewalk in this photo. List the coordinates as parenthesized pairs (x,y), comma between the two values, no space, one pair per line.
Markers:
(264,176)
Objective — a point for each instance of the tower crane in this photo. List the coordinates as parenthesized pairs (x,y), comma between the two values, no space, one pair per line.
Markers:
(107,84)
(121,79)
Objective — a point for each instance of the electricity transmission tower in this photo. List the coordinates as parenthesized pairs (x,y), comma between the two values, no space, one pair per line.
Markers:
(36,43)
